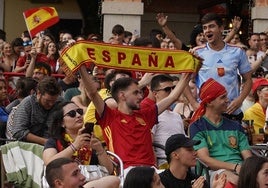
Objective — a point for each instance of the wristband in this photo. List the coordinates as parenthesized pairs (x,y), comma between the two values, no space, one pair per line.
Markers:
(73,147)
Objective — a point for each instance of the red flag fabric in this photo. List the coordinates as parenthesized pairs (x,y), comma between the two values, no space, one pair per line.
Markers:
(39,19)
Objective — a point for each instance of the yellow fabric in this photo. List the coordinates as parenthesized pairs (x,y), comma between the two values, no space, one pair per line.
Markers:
(40,16)
(129,58)
(90,115)
(163,166)
(69,139)
(255,112)
(83,155)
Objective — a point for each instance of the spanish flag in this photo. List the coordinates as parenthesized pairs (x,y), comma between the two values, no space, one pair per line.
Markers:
(39,19)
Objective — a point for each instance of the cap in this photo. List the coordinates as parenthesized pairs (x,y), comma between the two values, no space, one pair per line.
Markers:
(259,82)
(179,140)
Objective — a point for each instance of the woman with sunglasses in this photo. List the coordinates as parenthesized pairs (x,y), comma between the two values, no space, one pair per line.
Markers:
(68,140)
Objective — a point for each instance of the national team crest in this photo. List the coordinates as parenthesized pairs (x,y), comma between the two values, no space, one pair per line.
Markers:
(232,141)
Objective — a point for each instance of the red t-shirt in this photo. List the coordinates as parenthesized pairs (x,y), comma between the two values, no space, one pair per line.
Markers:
(130,135)
(147,102)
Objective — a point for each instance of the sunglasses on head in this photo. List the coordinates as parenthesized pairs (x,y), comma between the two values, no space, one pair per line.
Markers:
(72,113)
(27,43)
(166,89)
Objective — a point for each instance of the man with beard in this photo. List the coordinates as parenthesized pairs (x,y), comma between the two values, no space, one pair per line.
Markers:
(223,62)
(31,118)
(128,128)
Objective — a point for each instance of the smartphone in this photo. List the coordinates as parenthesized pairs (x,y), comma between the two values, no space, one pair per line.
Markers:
(28,57)
(88,128)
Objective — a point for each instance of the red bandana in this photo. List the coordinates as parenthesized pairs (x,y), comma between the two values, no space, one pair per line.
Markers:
(209,91)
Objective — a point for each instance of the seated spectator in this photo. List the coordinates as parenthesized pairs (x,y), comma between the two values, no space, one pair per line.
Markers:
(169,122)
(224,144)
(31,119)
(257,112)
(24,87)
(7,58)
(142,177)
(253,173)
(64,172)
(41,70)
(181,156)
(67,139)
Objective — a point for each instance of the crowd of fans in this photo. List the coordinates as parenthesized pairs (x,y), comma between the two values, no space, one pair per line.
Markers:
(151,121)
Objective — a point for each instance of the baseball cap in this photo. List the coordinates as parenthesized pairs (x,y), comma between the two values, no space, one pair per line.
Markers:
(259,82)
(179,140)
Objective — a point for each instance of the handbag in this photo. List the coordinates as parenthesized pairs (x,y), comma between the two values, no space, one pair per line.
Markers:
(93,172)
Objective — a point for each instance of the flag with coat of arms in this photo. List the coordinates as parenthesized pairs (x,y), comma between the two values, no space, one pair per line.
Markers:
(39,19)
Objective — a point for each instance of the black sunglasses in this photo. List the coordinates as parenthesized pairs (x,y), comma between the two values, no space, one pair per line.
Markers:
(166,89)
(72,113)
(27,43)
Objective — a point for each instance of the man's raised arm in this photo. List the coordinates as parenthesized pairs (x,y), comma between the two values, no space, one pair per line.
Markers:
(174,95)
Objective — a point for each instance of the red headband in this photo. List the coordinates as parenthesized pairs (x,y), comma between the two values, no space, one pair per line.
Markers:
(209,91)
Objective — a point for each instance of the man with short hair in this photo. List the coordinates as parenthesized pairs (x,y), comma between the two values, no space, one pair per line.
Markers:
(65,173)
(255,43)
(169,122)
(224,144)
(128,127)
(223,62)
(181,156)
(31,118)
(41,70)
